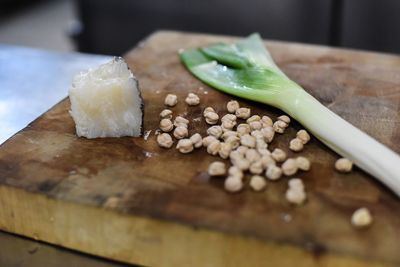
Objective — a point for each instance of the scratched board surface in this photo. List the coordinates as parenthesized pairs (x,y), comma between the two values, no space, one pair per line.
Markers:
(134,178)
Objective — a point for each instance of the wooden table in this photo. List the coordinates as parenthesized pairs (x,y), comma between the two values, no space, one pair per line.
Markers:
(129,200)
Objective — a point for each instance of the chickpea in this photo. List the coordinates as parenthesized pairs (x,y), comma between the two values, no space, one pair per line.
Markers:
(296,196)
(248,140)
(266,121)
(289,167)
(235,171)
(242,113)
(279,126)
(264,151)
(268,133)
(217,168)
(343,165)
(171,100)
(185,146)
(255,125)
(192,99)
(228,125)
(228,134)
(260,144)
(166,125)
(181,132)
(196,140)
(243,129)
(361,218)
(303,136)
(267,161)
(166,114)
(215,131)
(242,150)
(228,117)
(232,106)
(225,150)
(303,163)
(211,117)
(284,118)
(256,167)
(181,121)
(296,183)
(252,155)
(208,140)
(273,172)
(164,140)
(241,163)
(208,109)
(214,147)
(253,118)
(257,183)
(296,145)
(234,141)
(257,134)
(278,155)
(233,184)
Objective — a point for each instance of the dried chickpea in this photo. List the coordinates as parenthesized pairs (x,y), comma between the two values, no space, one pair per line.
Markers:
(234,141)
(243,129)
(166,125)
(296,183)
(303,163)
(252,155)
(235,171)
(164,140)
(181,121)
(214,147)
(253,118)
(228,125)
(211,117)
(278,155)
(235,155)
(284,118)
(279,126)
(260,144)
(181,132)
(267,161)
(208,109)
(268,133)
(343,165)
(241,163)
(303,136)
(256,167)
(289,167)
(296,145)
(232,106)
(185,146)
(215,131)
(242,113)
(196,140)
(257,183)
(266,121)
(208,140)
(242,150)
(255,125)
(257,134)
(296,196)
(171,100)
(166,114)
(264,151)
(361,218)
(192,99)
(228,117)
(273,172)
(233,184)
(248,140)
(217,168)
(228,134)
(225,150)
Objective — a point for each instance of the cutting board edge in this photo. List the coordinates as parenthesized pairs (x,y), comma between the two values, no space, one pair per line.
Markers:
(172,241)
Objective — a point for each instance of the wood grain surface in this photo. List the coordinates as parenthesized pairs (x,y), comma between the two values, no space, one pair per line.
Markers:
(129,200)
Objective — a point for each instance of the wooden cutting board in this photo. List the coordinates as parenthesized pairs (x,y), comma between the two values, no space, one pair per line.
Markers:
(129,200)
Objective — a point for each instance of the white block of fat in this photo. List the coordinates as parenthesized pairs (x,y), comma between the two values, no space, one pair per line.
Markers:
(106,101)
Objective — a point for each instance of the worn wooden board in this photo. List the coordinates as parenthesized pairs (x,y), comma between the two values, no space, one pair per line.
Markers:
(129,200)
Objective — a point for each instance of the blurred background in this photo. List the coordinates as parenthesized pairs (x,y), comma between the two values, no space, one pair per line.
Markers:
(113,27)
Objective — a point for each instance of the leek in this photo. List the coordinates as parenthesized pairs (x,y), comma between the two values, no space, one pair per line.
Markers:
(246,69)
